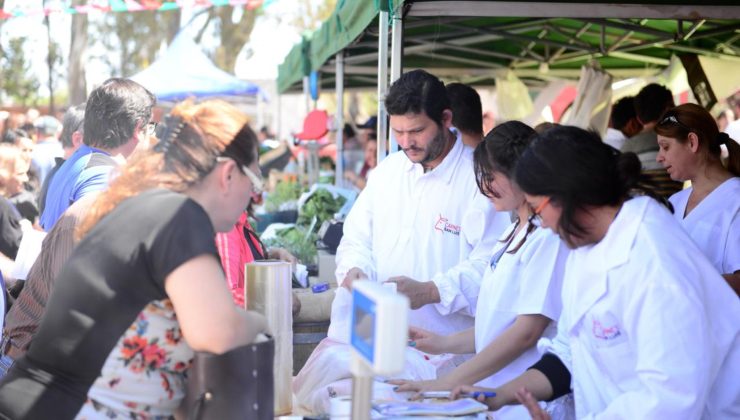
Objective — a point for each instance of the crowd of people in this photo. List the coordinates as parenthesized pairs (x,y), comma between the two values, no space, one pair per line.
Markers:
(543,264)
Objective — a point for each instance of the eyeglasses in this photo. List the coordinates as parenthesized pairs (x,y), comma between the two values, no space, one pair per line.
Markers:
(257,184)
(150,128)
(672,119)
(536,212)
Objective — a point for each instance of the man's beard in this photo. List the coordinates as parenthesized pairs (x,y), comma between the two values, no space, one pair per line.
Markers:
(435,148)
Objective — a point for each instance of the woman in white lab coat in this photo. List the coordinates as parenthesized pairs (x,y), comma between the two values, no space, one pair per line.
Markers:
(690,149)
(520,293)
(649,328)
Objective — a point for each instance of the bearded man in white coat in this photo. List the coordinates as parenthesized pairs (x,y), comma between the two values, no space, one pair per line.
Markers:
(421,222)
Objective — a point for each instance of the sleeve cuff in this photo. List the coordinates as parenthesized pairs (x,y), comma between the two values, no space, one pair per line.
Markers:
(556,373)
(446,296)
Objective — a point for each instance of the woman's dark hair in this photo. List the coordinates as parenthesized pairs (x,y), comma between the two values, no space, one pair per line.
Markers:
(576,170)
(418,91)
(678,122)
(499,152)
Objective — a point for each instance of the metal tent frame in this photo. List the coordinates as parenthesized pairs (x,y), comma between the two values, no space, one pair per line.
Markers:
(475,41)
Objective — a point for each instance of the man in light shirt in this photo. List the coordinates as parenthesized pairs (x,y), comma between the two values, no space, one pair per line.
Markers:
(421,221)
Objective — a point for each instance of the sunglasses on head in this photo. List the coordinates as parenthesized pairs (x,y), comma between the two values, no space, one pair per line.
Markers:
(673,120)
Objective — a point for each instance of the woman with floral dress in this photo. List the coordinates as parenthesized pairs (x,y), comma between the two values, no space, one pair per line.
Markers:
(144,287)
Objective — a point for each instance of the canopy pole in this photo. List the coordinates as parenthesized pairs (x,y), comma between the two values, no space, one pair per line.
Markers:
(279,114)
(382,83)
(260,112)
(306,95)
(396,63)
(339,119)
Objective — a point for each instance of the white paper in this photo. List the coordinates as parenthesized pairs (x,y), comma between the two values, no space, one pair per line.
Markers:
(28,251)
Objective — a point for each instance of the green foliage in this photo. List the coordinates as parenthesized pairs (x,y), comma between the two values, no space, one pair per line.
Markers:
(137,37)
(19,81)
(298,241)
(321,205)
(283,192)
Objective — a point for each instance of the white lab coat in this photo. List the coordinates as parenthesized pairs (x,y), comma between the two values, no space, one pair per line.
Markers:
(527,282)
(714,224)
(649,328)
(434,226)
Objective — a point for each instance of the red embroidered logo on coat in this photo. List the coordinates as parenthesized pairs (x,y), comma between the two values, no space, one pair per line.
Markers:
(605,333)
(443,225)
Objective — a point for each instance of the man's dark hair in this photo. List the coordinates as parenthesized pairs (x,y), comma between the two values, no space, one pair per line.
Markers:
(416,92)
(652,101)
(622,112)
(114,110)
(73,121)
(467,111)
(348,132)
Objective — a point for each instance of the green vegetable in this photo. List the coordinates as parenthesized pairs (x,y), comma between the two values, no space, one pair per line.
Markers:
(298,241)
(284,191)
(321,205)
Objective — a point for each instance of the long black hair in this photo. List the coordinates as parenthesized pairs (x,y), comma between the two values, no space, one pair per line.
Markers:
(576,170)
(499,152)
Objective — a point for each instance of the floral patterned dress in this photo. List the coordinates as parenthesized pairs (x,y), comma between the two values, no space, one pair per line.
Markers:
(144,376)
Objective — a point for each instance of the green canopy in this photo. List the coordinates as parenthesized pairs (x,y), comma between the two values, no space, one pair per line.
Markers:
(474,41)
(348,22)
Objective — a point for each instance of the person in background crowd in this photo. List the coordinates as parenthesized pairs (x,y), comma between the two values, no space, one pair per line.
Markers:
(71,139)
(709,210)
(14,122)
(427,194)
(520,294)
(24,142)
(266,137)
(370,162)
(117,118)
(119,330)
(23,319)
(623,123)
(241,245)
(28,123)
(25,200)
(467,113)
(353,152)
(650,103)
(47,146)
(733,127)
(13,173)
(368,129)
(649,328)
(724,119)
(489,121)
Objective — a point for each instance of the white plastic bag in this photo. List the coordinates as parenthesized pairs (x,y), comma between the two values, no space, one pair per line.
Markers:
(327,375)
